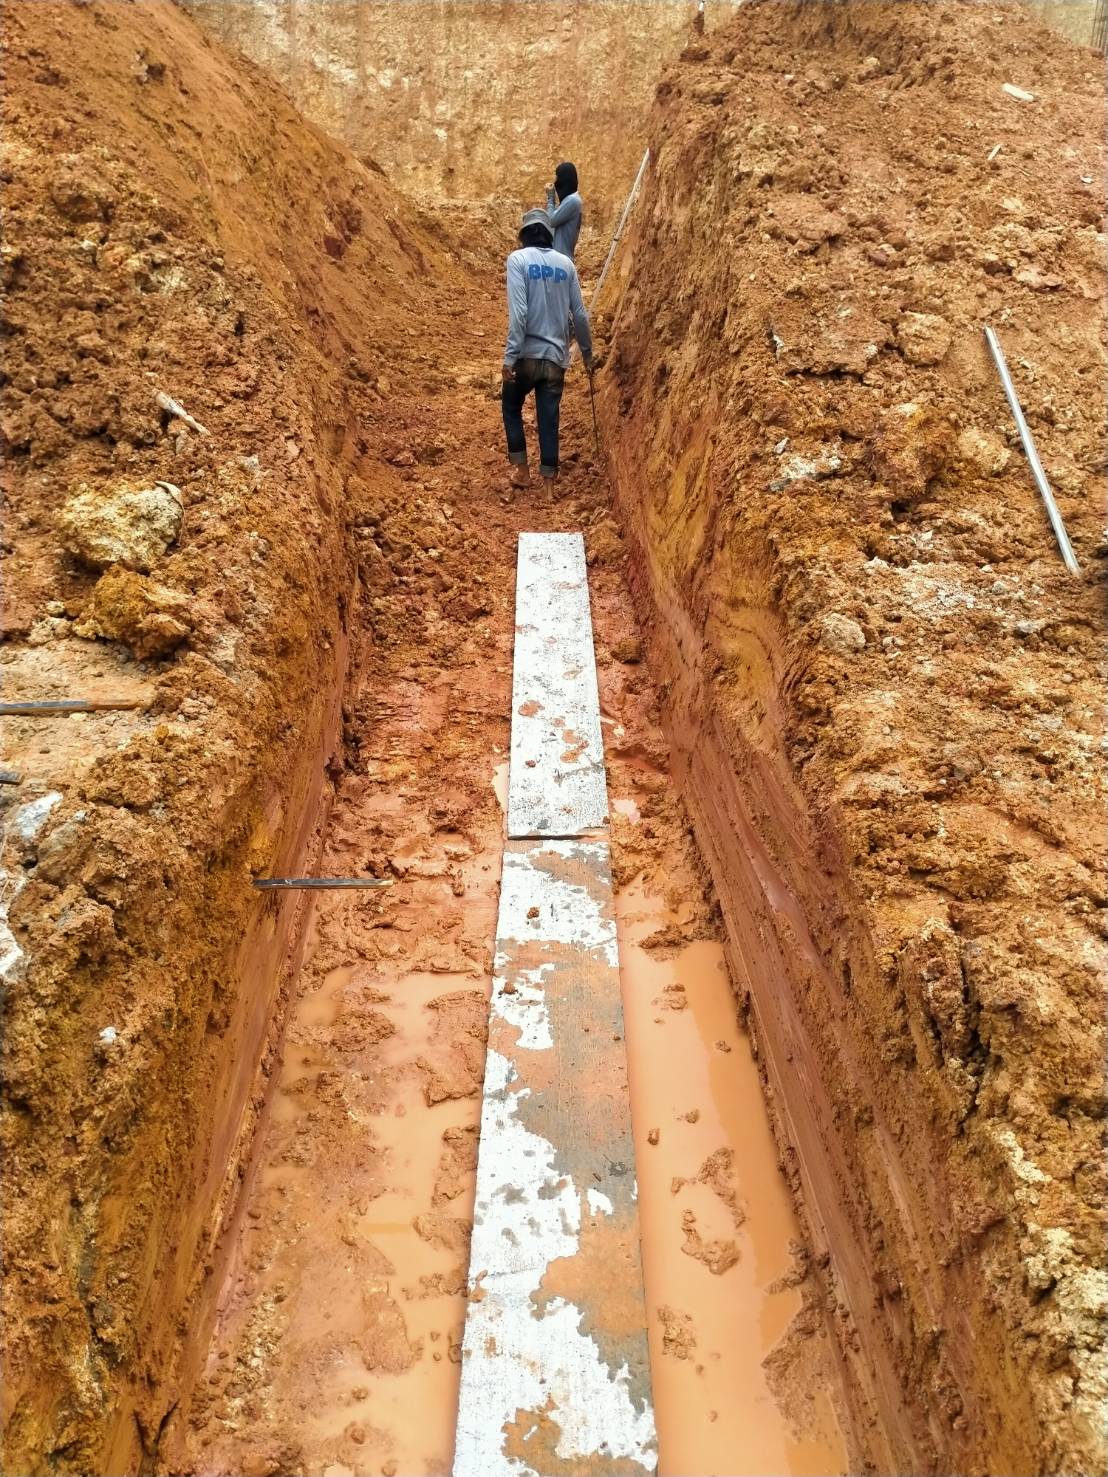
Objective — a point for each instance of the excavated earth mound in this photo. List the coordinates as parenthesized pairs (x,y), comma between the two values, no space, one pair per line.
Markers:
(173,227)
(884,684)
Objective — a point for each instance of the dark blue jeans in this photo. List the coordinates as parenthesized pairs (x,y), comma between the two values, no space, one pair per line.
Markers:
(546,379)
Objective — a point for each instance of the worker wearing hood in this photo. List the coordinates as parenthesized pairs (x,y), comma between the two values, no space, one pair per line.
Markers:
(563,205)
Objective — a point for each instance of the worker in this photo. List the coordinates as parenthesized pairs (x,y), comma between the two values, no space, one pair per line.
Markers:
(563,204)
(545,307)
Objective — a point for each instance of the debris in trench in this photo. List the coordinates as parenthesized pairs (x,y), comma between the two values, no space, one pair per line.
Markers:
(174,408)
(678,1335)
(129,524)
(150,619)
(718,1256)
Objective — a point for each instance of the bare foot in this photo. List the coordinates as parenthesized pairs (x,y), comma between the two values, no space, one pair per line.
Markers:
(520,476)
(548,487)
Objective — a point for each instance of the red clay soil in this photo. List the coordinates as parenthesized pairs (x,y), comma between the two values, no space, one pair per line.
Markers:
(883,686)
(173,225)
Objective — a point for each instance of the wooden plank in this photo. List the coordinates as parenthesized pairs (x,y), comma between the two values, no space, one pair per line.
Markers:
(555,1374)
(556,784)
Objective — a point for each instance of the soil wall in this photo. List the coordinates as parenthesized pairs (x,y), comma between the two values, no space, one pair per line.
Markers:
(171,225)
(883,686)
(1073,18)
(469,99)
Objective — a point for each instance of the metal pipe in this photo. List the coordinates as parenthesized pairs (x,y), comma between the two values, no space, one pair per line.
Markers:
(270,884)
(1032,454)
(619,229)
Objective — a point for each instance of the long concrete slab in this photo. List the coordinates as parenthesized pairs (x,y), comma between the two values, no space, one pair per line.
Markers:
(555,1374)
(556,784)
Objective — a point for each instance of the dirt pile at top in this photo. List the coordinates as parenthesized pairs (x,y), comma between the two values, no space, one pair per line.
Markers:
(207,308)
(885,686)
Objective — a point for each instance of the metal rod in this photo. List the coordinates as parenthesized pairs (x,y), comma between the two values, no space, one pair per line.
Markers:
(1032,454)
(71,705)
(270,884)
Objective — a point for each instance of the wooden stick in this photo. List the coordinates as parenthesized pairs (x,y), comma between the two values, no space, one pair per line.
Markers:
(44,708)
(619,229)
(175,408)
(270,884)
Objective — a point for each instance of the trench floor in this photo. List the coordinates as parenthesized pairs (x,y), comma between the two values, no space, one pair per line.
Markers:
(337,1330)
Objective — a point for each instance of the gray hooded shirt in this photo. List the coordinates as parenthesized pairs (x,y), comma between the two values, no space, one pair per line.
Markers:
(543,290)
(565,220)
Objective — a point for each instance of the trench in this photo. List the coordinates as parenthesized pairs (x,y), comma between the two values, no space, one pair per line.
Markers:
(328,1338)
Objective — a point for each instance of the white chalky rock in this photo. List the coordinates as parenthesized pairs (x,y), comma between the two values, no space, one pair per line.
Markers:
(984,451)
(132,526)
(841,635)
(924,338)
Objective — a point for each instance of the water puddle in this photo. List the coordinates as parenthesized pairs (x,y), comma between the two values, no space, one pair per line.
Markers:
(695,1092)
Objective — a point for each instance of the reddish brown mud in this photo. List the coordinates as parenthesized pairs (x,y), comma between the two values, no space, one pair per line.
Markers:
(883,687)
(239,1128)
(363,1170)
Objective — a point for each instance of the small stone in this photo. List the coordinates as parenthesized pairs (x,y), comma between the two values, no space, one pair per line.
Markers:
(869,68)
(841,635)
(532,912)
(984,451)
(50,628)
(389,1469)
(924,338)
(653,1136)
(882,255)
(132,526)
(723,1046)
(692,1116)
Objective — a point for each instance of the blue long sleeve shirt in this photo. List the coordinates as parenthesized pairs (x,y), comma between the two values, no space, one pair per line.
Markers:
(565,220)
(543,293)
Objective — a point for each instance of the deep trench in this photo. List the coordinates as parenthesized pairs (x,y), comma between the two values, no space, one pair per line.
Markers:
(329,1333)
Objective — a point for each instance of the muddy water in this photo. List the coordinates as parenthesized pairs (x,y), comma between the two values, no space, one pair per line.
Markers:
(716,1412)
(742,1385)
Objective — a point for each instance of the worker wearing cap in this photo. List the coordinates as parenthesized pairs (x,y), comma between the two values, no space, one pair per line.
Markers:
(545,308)
(563,205)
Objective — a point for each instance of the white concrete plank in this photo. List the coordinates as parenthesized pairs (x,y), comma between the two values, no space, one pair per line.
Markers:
(556,784)
(555,1374)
